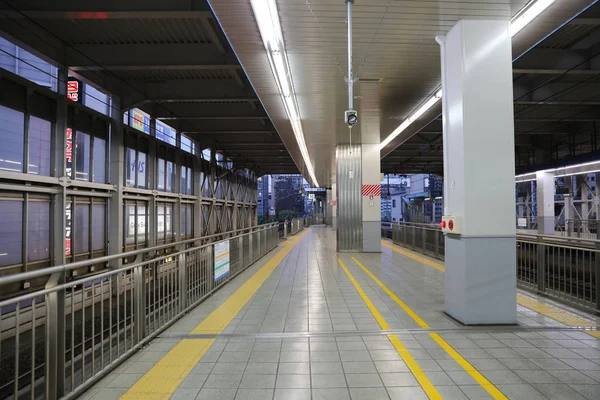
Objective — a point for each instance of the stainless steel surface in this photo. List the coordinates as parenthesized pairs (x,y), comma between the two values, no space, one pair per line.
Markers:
(349,197)
(110,314)
(563,268)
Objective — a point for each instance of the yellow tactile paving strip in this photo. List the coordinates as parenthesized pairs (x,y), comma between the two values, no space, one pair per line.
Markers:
(475,374)
(425,383)
(544,309)
(165,377)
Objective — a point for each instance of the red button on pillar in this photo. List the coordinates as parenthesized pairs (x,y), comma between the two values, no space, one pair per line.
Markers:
(443,224)
(451,225)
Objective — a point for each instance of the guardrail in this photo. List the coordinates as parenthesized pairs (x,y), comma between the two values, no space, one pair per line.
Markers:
(581,228)
(566,269)
(58,341)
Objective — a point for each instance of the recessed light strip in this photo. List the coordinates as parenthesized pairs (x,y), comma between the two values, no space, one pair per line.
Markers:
(267,18)
(521,20)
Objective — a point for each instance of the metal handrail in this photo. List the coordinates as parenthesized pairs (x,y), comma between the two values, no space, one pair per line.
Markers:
(113,312)
(565,268)
(24,276)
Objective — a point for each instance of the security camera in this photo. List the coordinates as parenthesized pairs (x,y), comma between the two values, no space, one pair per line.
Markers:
(351,117)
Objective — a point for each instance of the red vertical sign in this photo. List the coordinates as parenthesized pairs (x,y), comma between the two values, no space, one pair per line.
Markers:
(68,210)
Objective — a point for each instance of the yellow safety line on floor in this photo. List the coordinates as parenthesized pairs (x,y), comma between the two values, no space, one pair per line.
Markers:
(425,383)
(420,259)
(475,374)
(167,374)
(541,308)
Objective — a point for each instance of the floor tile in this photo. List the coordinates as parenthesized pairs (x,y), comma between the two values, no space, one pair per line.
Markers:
(369,394)
(407,393)
(331,394)
(558,392)
(328,381)
(292,394)
(254,394)
(293,381)
(363,380)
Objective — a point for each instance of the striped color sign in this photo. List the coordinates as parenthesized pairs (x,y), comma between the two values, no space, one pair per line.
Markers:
(371,190)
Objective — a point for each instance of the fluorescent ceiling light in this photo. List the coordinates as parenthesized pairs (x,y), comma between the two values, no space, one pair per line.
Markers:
(521,20)
(528,14)
(413,117)
(267,18)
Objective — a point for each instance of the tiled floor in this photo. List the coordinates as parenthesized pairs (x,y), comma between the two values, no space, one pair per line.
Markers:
(309,292)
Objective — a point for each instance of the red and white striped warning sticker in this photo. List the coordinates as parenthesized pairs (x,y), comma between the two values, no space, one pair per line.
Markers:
(371,190)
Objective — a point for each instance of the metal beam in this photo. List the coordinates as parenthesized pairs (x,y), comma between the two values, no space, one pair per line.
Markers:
(95,55)
(228,132)
(156,67)
(532,71)
(213,118)
(100,15)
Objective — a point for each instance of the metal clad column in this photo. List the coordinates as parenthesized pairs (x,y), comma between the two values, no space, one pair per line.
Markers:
(371,199)
(349,198)
(545,202)
(334,207)
(480,279)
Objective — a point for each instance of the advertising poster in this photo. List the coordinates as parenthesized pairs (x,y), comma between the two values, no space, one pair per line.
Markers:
(221,259)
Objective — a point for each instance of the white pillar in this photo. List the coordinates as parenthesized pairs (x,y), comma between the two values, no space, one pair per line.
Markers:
(333,203)
(545,202)
(480,279)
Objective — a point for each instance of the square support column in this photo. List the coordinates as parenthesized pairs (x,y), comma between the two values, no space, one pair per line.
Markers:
(545,202)
(371,199)
(479,168)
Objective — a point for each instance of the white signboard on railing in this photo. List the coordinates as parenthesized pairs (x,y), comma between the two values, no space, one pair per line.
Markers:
(522,222)
(221,259)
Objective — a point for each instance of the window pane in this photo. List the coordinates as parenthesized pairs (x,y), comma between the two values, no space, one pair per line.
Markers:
(142,225)
(96,100)
(38,230)
(130,170)
(82,228)
(11,236)
(99,227)
(99,160)
(12,137)
(130,222)
(183,186)
(27,65)
(189,181)
(189,227)
(160,182)
(168,219)
(82,156)
(40,133)
(160,222)
(170,171)
(165,133)
(139,120)
(187,144)
(141,180)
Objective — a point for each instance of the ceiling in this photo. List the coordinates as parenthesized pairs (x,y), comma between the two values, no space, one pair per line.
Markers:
(167,57)
(556,104)
(396,60)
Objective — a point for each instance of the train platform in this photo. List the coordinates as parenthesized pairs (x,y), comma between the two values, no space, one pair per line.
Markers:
(306,322)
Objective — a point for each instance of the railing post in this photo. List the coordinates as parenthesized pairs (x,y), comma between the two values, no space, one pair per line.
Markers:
(540,265)
(55,337)
(284,230)
(414,234)
(183,281)
(437,243)
(250,247)
(241,252)
(597,265)
(139,281)
(424,239)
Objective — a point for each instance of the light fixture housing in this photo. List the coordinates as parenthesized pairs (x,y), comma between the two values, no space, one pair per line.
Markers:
(531,11)
(267,18)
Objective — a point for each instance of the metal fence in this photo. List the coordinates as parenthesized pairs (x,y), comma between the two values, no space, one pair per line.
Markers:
(563,268)
(58,341)
(581,228)
(426,238)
